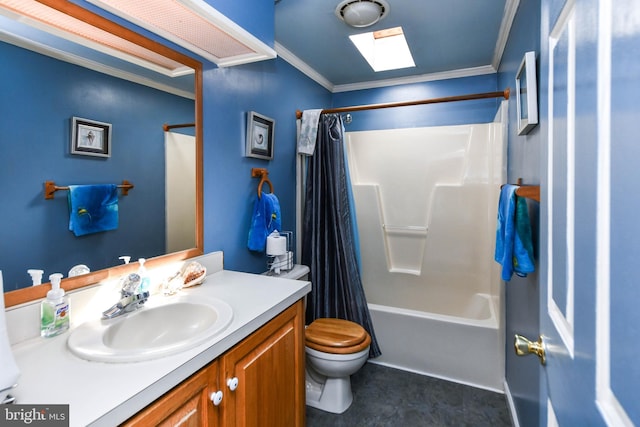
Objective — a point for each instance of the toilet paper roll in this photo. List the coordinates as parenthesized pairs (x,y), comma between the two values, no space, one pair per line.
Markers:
(10,372)
(276,245)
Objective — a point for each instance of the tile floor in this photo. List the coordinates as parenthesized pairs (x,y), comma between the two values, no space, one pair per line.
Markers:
(387,397)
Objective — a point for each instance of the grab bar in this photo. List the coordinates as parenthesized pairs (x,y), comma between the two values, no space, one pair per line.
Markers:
(411,230)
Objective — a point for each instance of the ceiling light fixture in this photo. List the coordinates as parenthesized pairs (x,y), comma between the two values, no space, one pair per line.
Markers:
(362,13)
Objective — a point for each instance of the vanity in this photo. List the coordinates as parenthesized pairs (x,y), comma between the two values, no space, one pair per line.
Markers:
(250,373)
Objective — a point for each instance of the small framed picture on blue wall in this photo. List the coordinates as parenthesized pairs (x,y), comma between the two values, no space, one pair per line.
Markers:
(527,94)
(260,132)
(90,138)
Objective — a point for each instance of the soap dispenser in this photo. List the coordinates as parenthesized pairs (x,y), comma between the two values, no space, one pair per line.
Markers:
(145,281)
(54,311)
(36,276)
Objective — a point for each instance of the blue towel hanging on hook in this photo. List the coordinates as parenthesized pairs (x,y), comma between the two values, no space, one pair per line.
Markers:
(266,219)
(514,247)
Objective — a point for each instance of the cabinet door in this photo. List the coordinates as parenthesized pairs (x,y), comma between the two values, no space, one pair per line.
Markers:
(187,405)
(269,367)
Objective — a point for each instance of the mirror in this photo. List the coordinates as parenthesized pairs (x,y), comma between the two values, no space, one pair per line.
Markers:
(39,150)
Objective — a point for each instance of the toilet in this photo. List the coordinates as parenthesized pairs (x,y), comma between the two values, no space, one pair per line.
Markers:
(335,350)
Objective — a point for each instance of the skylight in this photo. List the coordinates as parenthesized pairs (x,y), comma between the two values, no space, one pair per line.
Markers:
(385,49)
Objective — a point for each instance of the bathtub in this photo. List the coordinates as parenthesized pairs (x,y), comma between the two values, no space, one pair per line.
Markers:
(467,348)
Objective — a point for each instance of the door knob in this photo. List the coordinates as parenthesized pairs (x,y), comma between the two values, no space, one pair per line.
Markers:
(524,346)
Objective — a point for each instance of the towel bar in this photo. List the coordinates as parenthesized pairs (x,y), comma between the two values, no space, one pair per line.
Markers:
(50,188)
(528,191)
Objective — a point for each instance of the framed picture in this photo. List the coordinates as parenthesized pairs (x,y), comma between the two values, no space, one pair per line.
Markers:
(90,138)
(527,94)
(260,131)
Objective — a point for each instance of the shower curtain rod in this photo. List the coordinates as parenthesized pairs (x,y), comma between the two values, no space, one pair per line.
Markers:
(167,127)
(504,94)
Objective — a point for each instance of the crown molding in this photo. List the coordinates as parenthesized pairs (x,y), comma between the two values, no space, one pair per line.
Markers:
(320,79)
(509,15)
(444,75)
(302,66)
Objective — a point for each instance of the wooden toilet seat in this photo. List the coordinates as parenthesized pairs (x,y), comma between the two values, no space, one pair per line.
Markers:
(336,336)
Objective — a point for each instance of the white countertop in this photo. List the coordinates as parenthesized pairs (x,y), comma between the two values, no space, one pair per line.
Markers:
(106,394)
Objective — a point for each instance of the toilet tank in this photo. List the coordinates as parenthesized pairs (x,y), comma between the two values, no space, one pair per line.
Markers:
(298,272)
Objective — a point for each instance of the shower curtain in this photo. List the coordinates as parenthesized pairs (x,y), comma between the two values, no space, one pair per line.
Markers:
(329,247)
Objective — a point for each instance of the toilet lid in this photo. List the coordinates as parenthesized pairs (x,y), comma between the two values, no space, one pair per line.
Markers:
(336,336)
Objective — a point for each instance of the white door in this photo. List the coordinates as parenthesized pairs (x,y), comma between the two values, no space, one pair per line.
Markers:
(590,232)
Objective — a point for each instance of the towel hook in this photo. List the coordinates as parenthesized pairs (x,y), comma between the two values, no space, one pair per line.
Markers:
(264,178)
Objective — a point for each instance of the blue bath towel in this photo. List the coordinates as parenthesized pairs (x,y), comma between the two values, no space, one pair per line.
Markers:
(266,219)
(93,208)
(514,247)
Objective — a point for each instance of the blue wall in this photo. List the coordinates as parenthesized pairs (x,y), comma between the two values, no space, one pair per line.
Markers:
(521,294)
(276,89)
(272,88)
(39,97)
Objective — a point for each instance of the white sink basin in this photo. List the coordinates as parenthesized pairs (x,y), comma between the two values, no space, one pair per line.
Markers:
(166,325)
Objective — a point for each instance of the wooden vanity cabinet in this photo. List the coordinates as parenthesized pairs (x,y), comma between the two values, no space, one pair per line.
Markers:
(187,405)
(268,368)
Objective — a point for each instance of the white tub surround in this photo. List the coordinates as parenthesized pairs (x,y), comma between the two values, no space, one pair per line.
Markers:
(106,394)
(426,203)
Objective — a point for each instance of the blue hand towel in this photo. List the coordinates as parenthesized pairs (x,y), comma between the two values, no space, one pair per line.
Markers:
(514,248)
(93,208)
(266,219)
(523,262)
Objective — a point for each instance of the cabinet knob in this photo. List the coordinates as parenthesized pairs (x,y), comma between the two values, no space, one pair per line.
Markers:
(216,397)
(232,383)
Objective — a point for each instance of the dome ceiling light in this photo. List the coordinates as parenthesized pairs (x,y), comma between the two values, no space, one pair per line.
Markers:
(362,13)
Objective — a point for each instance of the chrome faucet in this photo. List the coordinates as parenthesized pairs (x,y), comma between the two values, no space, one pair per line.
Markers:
(130,299)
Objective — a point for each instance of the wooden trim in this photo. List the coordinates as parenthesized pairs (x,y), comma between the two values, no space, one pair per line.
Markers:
(199,159)
(99,21)
(25,295)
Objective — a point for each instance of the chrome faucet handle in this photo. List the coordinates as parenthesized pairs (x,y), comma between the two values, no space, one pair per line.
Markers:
(130,284)
(127,304)
(139,299)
